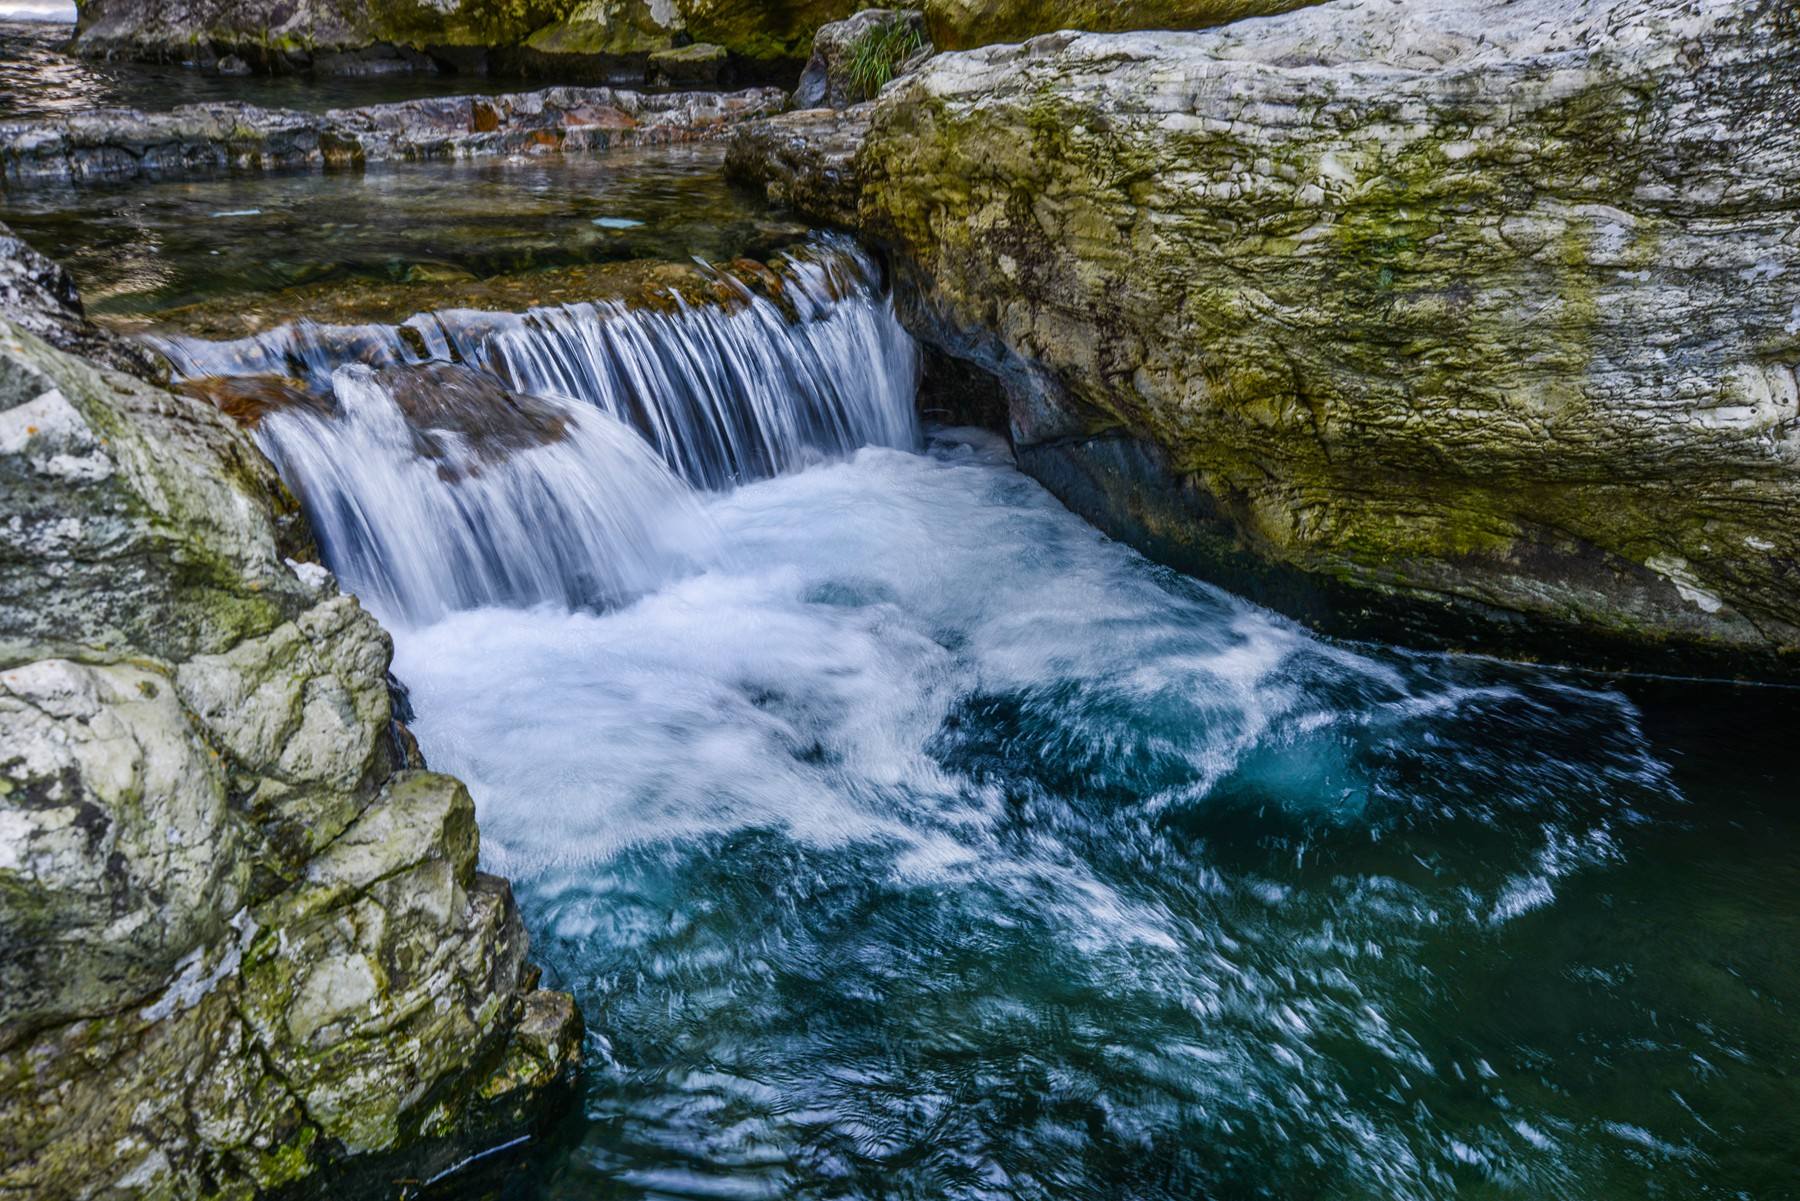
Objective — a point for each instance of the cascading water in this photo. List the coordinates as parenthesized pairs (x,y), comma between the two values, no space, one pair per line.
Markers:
(724,394)
(921,842)
(583,514)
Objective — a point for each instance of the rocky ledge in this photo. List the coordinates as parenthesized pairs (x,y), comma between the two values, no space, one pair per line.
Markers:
(563,36)
(118,144)
(1468,322)
(243,939)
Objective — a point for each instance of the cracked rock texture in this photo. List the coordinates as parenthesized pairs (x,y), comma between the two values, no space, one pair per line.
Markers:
(106,145)
(333,36)
(1467,321)
(238,948)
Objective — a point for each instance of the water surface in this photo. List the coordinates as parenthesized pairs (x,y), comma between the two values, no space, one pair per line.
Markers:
(902,837)
(198,253)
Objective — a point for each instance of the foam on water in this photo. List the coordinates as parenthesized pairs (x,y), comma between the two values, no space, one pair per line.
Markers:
(900,835)
(934,800)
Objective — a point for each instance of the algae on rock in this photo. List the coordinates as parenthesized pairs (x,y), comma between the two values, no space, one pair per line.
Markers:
(238,947)
(1475,316)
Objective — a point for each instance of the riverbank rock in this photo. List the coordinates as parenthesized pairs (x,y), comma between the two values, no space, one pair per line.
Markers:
(689,66)
(853,58)
(118,144)
(240,946)
(1464,321)
(597,39)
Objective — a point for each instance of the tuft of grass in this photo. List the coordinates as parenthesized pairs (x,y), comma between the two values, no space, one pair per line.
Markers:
(877,54)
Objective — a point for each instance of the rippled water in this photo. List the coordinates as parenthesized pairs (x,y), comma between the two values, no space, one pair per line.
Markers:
(903,838)
(306,242)
(934,846)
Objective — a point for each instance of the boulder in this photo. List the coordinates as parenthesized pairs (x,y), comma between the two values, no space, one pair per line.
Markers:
(119,144)
(242,944)
(854,58)
(1470,322)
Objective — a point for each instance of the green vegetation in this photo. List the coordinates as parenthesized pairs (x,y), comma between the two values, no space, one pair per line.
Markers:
(875,57)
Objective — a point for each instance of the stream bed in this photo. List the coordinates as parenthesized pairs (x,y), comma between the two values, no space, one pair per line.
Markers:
(900,835)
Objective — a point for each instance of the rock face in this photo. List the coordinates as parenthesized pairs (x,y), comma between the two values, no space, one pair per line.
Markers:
(241,944)
(117,144)
(335,36)
(1478,318)
(831,78)
(962,24)
(319,34)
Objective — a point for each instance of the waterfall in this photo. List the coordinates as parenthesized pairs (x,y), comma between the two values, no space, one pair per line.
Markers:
(468,458)
(724,393)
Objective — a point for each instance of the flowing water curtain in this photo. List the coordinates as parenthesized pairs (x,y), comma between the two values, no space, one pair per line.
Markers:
(580,513)
(724,393)
(429,494)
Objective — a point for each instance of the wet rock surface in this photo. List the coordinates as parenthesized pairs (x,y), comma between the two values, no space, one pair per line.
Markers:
(830,79)
(1473,317)
(119,144)
(239,946)
(334,36)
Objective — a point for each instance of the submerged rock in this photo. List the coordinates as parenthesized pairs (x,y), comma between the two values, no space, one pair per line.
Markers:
(119,144)
(1468,321)
(457,413)
(238,947)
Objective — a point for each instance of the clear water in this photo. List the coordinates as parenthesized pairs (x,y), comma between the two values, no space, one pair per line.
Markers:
(394,240)
(901,837)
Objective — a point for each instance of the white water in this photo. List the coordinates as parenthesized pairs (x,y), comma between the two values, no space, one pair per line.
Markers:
(903,836)
(722,394)
(590,519)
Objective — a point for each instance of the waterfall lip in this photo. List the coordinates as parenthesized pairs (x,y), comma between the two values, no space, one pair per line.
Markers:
(468,458)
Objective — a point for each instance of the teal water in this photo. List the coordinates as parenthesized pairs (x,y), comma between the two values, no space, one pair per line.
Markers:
(909,840)
(940,848)
(404,236)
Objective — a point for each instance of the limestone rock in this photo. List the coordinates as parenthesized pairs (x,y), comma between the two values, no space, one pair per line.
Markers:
(237,947)
(119,144)
(963,24)
(830,78)
(332,36)
(1478,316)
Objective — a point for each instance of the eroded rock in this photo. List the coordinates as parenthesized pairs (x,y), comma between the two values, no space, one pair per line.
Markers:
(238,948)
(885,43)
(119,144)
(1478,317)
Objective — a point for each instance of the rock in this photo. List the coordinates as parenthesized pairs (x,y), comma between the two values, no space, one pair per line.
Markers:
(119,144)
(963,24)
(688,66)
(39,295)
(238,948)
(852,59)
(560,36)
(805,160)
(1473,321)
(451,408)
